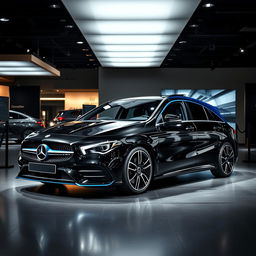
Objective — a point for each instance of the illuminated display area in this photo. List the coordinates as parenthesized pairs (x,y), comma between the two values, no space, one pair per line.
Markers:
(131,33)
(224,99)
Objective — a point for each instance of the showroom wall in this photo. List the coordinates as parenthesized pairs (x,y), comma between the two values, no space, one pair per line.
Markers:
(69,79)
(118,83)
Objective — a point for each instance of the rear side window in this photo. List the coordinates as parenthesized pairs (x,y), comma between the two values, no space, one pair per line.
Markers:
(13,115)
(196,112)
(212,116)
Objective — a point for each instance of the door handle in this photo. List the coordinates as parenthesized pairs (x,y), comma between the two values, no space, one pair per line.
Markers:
(190,128)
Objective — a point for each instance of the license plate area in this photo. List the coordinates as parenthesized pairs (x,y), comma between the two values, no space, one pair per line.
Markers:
(42,168)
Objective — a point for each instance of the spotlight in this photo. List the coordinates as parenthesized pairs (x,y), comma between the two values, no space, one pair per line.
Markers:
(183,42)
(241,50)
(79,42)
(54,6)
(194,26)
(69,26)
(4,19)
(208,5)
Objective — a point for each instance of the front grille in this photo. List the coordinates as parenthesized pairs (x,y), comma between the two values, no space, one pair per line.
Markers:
(52,145)
(52,158)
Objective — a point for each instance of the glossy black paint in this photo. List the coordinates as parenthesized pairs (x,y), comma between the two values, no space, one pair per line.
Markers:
(176,147)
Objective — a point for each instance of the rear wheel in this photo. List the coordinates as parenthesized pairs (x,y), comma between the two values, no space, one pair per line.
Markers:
(137,171)
(225,161)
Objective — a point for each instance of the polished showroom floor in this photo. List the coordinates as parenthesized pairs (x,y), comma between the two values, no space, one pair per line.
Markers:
(193,214)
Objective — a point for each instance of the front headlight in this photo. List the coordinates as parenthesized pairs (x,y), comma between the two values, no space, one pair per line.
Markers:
(100,148)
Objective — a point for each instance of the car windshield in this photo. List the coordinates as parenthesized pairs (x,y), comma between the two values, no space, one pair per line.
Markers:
(126,109)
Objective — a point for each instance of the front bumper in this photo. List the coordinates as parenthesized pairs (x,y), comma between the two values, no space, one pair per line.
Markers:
(81,176)
(88,170)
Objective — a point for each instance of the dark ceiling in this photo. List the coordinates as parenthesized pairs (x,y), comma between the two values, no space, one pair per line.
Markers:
(48,32)
(222,36)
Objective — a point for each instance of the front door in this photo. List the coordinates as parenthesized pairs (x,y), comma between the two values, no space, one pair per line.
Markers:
(176,139)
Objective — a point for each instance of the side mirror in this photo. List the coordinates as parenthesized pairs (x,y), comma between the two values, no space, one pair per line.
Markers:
(171,118)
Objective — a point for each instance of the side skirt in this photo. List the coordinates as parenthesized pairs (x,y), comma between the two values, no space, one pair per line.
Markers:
(185,171)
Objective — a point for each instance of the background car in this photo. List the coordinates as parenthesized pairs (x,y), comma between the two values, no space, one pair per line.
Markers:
(21,125)
(66,116)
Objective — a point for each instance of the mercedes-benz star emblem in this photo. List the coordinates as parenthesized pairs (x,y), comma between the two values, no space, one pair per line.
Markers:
(42,152)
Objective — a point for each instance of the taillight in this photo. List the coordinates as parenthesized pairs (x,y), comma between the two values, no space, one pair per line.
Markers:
(40,123)
(60,118)
(233,133)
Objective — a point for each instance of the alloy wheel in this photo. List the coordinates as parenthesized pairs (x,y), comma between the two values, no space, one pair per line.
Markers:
(227,158)
(139,170)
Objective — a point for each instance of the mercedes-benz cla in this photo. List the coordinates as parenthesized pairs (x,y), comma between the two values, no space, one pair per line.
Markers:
(130,142)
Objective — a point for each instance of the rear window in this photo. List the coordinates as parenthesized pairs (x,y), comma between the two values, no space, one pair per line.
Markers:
(212,116)
(197,112)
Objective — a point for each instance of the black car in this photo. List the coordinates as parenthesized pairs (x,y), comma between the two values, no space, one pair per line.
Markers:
(67,116)
(21,125)
(130,142)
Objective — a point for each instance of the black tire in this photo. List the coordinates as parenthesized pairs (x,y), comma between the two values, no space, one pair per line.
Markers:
(137,171)
(225,161)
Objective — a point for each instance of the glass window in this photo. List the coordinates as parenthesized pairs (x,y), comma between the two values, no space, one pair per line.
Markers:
(20,116)
(197,111)
(175,108)
(13,115)
(212,116)
(133,109)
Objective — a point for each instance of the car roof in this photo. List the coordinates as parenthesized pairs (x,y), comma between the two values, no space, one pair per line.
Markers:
(215,110)
(20,113)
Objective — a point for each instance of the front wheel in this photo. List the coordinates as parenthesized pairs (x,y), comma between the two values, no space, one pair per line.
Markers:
(137,171)
(225,161)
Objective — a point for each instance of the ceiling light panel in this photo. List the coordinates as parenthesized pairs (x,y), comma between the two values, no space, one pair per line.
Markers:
(25,65)
(131,54)
(144,28)
(137,27)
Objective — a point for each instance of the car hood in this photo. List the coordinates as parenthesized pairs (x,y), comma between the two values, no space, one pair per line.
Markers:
(90,128)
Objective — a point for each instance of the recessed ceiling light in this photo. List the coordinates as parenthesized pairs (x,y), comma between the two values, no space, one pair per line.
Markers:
(183,42)
(91,59)
(241,50)
(208,5)
(85,50)
(28,50)
(3,19)
(69,26)
(54,6)
(79,42)
(194,25)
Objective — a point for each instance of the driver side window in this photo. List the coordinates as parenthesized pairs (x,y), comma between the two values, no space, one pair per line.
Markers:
(175,108)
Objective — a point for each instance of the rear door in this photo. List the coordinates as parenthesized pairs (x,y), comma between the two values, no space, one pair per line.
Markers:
(176,142)
(209,133)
